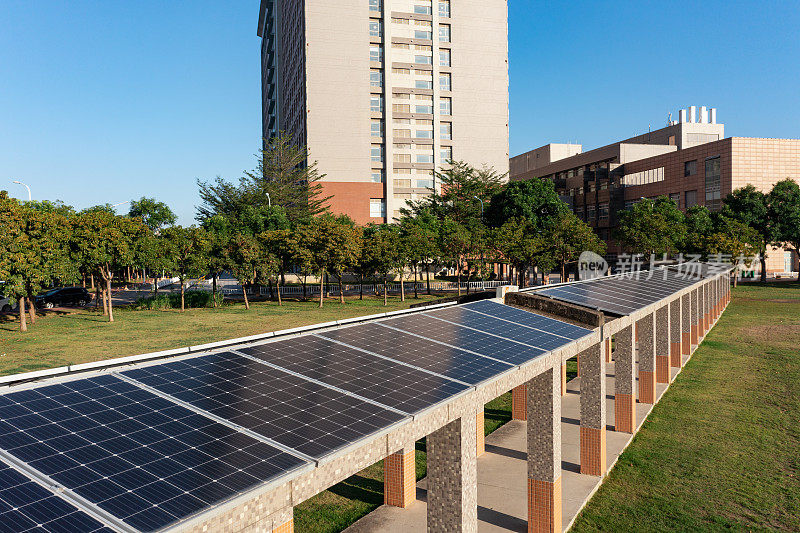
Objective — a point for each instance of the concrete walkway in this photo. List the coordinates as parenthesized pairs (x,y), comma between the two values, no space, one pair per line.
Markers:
(502,471)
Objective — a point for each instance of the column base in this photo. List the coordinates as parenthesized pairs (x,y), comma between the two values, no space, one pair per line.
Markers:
(694,334)
(608,350)
(286,527)
(593,451)
(647,387)
(518,403)
(686,343)
(544,506)
(662,369)
(675,355)
(624,413)
(399,478)
(480,437)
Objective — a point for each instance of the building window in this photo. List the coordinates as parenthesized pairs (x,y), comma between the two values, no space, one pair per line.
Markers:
(376,104)
(604,210)
(671,141)
(444,8)
(423,84)
(713,187)
(422,34)
(377,208)
(402,158)
(446,130)
(676,198)
(424,134)
(376,53)
(377,153)
(376,128)
(401,134)
(690,168)
(444,33)
(375,28)
(445,81)
(423,60)
(424,109)
(444,58)
(446,106)
(446,154)
(376,78)
(378,176)
(375,5)
(402,183)
(424,158)
(422,9)
(401,108)
(690,199)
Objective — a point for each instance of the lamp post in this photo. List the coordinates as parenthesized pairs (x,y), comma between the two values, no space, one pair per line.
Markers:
(483,276)
(481,201)
(269,200)
(26,186)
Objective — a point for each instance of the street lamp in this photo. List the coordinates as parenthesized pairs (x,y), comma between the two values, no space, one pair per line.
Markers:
(26,186)
(269,200)
(481,201)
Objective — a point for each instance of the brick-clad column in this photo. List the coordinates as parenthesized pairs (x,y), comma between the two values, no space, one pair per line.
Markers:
(480,442)
(593,411)
(399,477)
(717,290)
(701,312)
(662,344)
(608,350)
(518,399)
(544,453)
(647,359)
(453,477)
(686,325)
(563,379)
(283,521)
(695,319)
(707,306)
(675,333)
(625,381)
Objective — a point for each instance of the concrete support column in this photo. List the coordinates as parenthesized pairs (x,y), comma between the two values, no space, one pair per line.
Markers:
(695,318)
(593,410)
(453,477)
(480,442)
(686,325)
(717,294)
(518,400)
(701,311)
(647,359)
(400,477)
(675,333)
(707,306)
(625,381)
(563,379)
(544,453)
(662,344)
(282,521)
(608,350)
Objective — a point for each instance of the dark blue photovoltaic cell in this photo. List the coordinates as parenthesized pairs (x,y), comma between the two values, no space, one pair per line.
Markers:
(529,319)
(26,506)
(445,360)
(469,339)
(140,457)
(387,382)
(295,412)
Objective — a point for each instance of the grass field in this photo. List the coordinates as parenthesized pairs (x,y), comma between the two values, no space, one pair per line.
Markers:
(58,340)
(721,450)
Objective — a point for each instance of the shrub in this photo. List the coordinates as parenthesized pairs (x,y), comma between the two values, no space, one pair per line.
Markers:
(172,300)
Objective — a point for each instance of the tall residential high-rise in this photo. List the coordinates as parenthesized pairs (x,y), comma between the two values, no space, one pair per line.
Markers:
(382,92)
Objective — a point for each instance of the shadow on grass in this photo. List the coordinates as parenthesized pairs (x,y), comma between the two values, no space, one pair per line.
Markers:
(497,414)
(360,488)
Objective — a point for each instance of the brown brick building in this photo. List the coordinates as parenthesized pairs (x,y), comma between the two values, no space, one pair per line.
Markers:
(689,162)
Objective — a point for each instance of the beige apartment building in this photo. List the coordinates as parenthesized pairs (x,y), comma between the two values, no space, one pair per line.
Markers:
(382,92)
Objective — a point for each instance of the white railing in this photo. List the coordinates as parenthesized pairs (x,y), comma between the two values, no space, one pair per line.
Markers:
(369,288)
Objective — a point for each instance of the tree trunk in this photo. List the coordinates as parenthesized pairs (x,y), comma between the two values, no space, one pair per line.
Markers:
(183,296)
(108,298)
(416,292)
(764,266)
(563,271)
(385,290)
(305,281)
(91,278)
(402,289)
(458,278)
(278,288)
(214,289)
(104,294)
(32,310)
(244,293)
(321,288)
(23,324)
(341,290)
(428,276)
(361,288)
(83,280)
(271,292)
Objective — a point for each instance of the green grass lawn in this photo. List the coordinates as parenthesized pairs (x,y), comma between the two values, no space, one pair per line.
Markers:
(59,340)
(721,450)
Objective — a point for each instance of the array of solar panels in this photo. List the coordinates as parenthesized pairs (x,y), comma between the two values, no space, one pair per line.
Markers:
(623,294)
(149,447)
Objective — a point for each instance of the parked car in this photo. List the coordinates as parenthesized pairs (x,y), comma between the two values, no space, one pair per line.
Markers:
(5,304)
(63,297)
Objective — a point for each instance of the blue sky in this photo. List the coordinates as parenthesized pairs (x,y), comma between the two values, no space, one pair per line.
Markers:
(105,101)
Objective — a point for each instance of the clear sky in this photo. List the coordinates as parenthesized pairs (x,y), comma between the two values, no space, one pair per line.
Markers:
(106,101)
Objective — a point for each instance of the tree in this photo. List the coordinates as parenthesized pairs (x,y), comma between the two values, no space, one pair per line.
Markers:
(569,237)
(535,201)
(282,177)
(523,247)
(751,207)
(419,233)
(732,238)
(454,244)
(154,214)
(784,201)
(380,245)
(188,249)
(652,227)
(699,227)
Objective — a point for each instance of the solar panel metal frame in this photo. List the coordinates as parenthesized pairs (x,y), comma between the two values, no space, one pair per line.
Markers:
(518,316)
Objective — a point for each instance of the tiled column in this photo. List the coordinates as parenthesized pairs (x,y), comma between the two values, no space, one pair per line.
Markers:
(563,379)
(593,411)
(686,325)
(480,442)
(453,477)
(675,333)
(625,381)
(662,344)
(647,359)
(282,521)
(701,312)
(608,350)
(695,320)
(717,292)
(518,399)
(707,306)
(544,453)
(399,477)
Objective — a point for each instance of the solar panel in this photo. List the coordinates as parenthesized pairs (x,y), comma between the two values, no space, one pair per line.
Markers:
(447,361)
(509,330)
(297,413)
(529,319)
(469,339)
(26,506)
(139,457)
(387,382)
